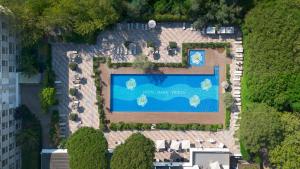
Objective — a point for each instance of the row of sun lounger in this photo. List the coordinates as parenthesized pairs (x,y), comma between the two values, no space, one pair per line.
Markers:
(141,26)
(238,72)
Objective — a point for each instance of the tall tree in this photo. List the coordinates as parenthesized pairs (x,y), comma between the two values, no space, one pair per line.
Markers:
(29,138)
(271,42)
(260,128)
(136,153)
(87,148)
(287,154)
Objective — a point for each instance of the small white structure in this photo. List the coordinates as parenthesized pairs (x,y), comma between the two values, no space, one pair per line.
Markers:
(175,145)
(160,144)
(185,144)
(152,24)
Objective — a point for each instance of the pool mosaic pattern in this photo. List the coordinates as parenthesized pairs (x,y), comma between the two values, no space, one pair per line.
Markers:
(197,57)
(165,92)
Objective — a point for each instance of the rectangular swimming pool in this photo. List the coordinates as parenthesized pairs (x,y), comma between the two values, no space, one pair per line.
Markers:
(165,92)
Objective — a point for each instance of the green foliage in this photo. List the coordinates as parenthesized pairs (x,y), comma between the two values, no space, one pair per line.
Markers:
(214,12)
(228,75)
(73,116)
(54,128)
(28,63)
(73,66)
(286,155)
(290,123)
(102,116)
(47,98)
(150,44)
(142,63)
(87,148)
(73,91)
(136,153)
(260,128)
(29,138)
(227,118)
(165,126)
(173,45)
(245,153)
(270,38)
(228,100)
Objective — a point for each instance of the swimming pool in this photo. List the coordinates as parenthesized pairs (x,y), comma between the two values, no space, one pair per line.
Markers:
(165,92)
(196,57)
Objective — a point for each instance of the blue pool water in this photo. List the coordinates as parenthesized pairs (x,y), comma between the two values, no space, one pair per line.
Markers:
(196,57)
(165,93)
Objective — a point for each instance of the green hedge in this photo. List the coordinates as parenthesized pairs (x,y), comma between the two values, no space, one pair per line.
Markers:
(165,126)
(228,75)
(54,128)
(97,78)
(227,119)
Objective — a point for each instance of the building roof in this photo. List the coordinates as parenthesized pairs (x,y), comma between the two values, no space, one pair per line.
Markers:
(54,159)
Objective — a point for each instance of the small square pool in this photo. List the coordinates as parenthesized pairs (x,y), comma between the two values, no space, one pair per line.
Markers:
(196,57)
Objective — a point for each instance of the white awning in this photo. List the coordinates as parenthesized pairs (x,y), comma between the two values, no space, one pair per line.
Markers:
(160,144)
(230,30)
(185,144)
(214,165)
(175,145)
(211,30)
(222,30)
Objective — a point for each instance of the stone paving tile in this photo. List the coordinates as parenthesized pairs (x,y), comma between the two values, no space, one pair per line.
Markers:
(166,32)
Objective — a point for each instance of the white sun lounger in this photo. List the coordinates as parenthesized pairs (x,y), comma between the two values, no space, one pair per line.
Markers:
(239,50)
(238,42)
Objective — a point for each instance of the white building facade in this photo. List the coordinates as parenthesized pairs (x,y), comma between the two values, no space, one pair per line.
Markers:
(10,154)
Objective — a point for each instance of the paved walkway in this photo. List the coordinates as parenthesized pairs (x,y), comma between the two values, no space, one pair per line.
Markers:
(87,110)
(110,43)
(34,105)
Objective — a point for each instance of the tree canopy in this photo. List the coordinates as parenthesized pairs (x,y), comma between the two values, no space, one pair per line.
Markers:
(260,127)
(136,153)
(47,98)
(272,45)
(29,138)
(87,148)
(287,154)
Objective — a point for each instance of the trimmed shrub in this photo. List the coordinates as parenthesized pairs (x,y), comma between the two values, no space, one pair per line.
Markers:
(72,91)
(120,126)
(73,66)
(150,44)
(172,45)
(73,117)
(227,118)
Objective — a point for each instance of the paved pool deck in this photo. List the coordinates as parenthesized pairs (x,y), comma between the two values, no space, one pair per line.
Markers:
(213,57)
